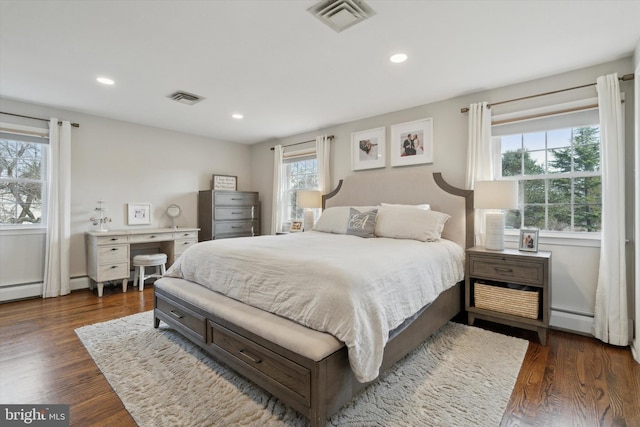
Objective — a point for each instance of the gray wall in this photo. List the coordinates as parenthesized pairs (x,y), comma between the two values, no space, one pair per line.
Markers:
(575,261)
(120,163)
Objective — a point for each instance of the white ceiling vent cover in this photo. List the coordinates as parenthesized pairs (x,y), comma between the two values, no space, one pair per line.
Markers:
(185,98)
(341,14)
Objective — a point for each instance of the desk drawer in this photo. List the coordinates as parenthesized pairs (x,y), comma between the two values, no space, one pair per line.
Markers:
(150,237)
(113,271)
(270,365)
(181,245)
(185,235)
(228,213)
(109,254)
(507,270)
(110,240)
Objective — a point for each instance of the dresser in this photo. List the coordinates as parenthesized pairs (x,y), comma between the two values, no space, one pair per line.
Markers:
(226,214)
(109,253)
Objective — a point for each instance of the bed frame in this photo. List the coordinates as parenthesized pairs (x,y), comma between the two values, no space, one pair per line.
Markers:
(319,388)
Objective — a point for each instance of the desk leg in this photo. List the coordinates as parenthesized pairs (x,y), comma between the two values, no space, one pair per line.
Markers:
(100,288)
(124,285)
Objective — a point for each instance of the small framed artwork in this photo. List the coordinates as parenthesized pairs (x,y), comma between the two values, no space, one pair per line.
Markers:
(139,213)
(296,225)
(368,149)
(529,240)
(412,143)
(224,182)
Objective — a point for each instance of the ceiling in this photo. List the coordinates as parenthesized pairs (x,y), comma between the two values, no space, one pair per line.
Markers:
(282,68)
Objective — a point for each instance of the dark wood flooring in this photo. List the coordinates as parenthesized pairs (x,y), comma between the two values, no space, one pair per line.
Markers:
(572,381)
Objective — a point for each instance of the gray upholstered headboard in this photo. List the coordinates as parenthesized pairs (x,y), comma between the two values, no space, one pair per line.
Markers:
(410,188)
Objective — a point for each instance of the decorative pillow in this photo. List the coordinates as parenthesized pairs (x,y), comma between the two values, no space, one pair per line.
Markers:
(424,206)
(416,224)
(362,224)
(334,219)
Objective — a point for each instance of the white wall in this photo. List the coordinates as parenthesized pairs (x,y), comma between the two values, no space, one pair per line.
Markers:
(574,262)
(120,163)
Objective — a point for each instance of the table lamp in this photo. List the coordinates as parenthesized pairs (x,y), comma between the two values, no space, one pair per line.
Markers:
(498,195)
(308,200)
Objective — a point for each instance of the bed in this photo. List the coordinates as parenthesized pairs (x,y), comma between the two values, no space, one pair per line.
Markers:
(314,358)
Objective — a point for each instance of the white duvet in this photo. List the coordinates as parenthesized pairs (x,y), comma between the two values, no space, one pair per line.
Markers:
(353,288)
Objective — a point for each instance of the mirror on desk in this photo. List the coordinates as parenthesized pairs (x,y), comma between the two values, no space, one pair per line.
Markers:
(173,211)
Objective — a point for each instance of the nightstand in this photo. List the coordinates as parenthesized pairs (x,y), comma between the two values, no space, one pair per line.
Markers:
(510,287)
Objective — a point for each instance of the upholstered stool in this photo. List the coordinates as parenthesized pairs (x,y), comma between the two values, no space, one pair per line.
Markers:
(141,261)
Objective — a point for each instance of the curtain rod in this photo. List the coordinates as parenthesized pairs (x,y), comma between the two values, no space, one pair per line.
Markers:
(75,125)
(303,142)
(624,78)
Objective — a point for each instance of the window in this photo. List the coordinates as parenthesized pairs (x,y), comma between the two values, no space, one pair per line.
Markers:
(22,179)
(302,174)
(559,177)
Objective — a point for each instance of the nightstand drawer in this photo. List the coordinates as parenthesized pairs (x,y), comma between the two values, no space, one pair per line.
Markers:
(507,270)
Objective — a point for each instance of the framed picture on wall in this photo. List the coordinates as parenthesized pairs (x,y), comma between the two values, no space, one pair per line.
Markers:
(224,182)
(368,149)
(139,213)
(412,143)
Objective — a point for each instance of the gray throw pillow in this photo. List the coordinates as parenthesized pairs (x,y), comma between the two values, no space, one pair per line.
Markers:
(362,224)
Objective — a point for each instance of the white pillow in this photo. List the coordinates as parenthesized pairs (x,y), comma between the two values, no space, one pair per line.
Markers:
(424,206)
(335,219)
(416,224)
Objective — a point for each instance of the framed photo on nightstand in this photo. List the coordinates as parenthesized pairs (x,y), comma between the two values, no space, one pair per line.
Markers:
(528,240)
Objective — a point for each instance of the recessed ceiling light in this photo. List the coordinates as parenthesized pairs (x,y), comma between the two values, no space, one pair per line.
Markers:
(398,58)
(105,80)
(237,116)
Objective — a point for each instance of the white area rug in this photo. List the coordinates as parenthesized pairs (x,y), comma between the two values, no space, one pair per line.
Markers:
(462,376)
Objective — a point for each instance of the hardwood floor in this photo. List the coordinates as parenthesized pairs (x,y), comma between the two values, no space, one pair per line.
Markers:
(573,381)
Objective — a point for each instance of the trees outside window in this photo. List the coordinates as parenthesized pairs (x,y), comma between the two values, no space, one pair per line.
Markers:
(559,177)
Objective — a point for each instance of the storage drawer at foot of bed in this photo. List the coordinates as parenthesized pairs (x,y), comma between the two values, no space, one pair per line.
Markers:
(270,365)
(189,320)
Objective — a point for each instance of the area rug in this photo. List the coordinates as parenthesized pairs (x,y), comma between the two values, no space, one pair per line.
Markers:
(461,376)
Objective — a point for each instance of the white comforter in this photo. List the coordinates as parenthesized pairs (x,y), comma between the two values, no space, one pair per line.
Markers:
(353,288)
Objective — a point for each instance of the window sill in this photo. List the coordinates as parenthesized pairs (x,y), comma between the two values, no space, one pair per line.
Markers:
(22,230)
(591,240)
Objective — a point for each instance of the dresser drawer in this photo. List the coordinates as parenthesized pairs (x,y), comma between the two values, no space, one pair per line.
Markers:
(110,240)
(230,213)
(181,245)
(187,319)
(235,227)
(113,271)
(150,237)
(507,270)
(235,198)
(109,254)
(271,366)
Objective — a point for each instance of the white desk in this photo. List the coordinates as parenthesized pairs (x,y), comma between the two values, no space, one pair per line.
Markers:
(109,252)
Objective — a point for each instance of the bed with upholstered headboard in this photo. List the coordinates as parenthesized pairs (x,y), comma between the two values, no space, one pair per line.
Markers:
(257,305)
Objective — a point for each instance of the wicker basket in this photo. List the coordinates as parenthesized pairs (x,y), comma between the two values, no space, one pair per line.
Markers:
(506,300)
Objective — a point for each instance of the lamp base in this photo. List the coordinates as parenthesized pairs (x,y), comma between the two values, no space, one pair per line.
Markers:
(308,220)
(494,231)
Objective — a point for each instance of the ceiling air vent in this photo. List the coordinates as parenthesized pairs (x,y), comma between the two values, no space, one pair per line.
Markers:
(185,98)
(341,14)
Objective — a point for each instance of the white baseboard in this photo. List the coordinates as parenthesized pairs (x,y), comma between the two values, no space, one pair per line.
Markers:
(31,290)
(571,322)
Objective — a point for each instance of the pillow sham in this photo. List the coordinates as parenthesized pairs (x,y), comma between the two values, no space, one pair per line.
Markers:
(335,219)
(362,224)
(424,206)
(415,224)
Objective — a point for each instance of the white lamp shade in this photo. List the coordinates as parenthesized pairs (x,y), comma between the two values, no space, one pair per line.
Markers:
(495,195)
(309,199)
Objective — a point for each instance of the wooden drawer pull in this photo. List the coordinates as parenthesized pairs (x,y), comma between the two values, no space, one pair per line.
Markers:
(249,357)
(504,269)
(176,314)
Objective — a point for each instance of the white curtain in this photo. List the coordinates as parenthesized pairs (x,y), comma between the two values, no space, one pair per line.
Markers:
(323,155)
(56,266)
(278,190)
(479,158)
(611,317)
